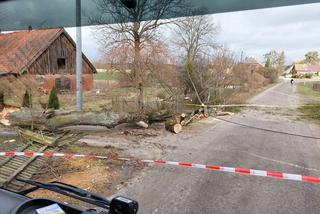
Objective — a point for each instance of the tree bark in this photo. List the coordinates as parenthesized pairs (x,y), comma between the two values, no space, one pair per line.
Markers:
(61,119)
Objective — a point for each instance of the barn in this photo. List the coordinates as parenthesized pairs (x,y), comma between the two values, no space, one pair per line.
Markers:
(46,56)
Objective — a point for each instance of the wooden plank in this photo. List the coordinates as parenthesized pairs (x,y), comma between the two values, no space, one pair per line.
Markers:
(21,168)
(35,137)
(7,159)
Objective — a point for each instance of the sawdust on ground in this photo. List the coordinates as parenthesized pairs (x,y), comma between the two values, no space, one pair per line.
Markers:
(97,176)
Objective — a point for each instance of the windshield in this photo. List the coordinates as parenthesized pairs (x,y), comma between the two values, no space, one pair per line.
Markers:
(184,106)
(20,14)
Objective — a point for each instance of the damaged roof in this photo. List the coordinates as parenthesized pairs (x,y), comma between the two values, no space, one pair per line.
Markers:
(19,49)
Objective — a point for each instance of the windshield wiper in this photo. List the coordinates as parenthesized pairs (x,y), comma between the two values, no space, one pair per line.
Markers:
(67,190)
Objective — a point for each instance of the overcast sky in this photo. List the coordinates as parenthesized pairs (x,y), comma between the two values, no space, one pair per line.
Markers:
(294,29)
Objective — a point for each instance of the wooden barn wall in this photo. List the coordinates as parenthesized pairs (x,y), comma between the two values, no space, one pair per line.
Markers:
(47,62)
(50,80)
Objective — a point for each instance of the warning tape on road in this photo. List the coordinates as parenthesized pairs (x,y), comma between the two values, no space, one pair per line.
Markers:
(254,172)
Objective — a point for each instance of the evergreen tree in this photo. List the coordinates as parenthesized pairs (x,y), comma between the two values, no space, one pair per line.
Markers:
(53,99)
(27,99)
(268,63)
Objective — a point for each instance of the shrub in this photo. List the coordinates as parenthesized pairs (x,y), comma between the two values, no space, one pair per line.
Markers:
(53,99)
(308,76)
(1,97)
(297,76)
(162,95)
(269,73)
(27,99)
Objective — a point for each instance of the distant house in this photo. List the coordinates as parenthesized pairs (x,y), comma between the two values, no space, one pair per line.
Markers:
(303,69)
(46,56)
(252,64)
(288,70)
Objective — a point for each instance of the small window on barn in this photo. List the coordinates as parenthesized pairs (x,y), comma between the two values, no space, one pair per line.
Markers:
(61,63)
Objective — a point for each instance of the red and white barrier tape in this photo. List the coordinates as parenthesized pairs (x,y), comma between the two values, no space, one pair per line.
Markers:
(279,175)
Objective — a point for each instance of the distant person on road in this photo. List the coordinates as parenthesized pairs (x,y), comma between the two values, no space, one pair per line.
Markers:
(291,81)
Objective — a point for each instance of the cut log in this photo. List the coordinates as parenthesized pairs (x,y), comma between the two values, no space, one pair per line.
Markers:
(179,118)
(142,124)
(173,126)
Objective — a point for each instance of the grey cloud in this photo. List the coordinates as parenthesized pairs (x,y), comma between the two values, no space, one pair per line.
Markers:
(292,29)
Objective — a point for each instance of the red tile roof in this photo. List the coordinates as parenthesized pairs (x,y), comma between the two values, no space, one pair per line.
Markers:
(18,49)
(314,68)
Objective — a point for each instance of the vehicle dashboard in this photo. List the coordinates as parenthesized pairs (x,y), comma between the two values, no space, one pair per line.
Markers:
(12,203)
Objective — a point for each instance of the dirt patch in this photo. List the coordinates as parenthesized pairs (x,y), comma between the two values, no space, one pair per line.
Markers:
(97,176)
(101,176)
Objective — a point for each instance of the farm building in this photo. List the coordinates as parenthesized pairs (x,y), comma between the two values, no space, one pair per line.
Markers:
(303,69)
(46,56)
(251,63)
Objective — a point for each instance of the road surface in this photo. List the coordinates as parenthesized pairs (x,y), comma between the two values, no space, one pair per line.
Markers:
(168,189)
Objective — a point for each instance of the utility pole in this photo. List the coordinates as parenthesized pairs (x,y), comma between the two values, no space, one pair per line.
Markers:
(79,56)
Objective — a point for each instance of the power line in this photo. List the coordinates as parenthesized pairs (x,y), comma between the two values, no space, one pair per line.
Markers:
(268,130)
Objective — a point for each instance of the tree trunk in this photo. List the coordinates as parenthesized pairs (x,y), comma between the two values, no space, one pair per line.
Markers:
(188,68)
(141,98)
(137,67)
(61,119)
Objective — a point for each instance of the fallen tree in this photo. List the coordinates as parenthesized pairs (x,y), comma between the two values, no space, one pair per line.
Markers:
(53,120)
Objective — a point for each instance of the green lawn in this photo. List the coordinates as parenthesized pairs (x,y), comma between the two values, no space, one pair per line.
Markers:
(311,111)
(105,76)
(306,90)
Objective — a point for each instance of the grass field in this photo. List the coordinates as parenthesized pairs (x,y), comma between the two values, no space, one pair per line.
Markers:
(105,76)
(306,90)
(311,111)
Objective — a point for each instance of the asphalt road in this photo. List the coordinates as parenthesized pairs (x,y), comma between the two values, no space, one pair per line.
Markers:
(168,189)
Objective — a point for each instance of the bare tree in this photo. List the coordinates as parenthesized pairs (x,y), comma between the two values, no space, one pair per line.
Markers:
(221,73)
(196,35)
(135,36)
(282,62)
